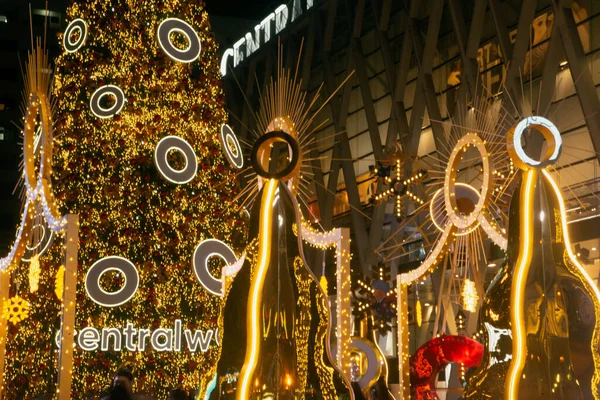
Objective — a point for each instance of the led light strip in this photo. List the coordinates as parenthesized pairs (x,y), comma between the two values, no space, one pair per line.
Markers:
(517,287)
(254,306)
(592,284)
(435,256)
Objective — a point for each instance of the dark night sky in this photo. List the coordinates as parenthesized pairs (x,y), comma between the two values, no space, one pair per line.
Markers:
(250,9)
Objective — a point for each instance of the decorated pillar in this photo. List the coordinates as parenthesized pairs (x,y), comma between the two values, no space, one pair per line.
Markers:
(403,349)
(69,300)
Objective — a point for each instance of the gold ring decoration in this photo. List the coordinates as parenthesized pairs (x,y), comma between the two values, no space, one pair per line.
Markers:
(458,209)
(466,197)
(261,155)
(466,220)
(551,135)
(367,351)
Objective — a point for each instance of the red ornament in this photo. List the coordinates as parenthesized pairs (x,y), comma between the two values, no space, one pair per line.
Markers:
(434,355)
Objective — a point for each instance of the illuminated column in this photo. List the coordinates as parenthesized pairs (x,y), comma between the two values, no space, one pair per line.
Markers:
(344,306)
(403,352)
(4,289)
(65,361)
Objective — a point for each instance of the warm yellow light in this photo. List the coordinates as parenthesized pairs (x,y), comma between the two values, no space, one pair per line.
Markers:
(254,305)
(470,296)
(517,289)
(591,283)
(323,283)
(34,273)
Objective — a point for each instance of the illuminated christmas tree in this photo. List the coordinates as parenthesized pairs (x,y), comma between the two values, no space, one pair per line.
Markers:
(136,157)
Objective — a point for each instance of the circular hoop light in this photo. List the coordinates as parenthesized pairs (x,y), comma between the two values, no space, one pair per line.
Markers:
(103,91)
(77,25)
(551,135)
(171,174)
(459,220)
(263,144)
(204,251)
(374,360)
(437,210)
(231,147)
(121,296)
(191,52)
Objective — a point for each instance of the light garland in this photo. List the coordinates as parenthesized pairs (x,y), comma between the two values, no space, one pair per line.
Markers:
(340,238)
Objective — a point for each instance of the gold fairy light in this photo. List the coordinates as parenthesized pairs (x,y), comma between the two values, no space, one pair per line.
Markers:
(470,296)
(34,274)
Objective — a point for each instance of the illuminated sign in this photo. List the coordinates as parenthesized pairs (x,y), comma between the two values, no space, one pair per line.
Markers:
(140,339)
(251,41)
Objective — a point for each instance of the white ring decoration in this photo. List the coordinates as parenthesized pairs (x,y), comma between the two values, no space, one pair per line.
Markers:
(228,140)
(75,25)
(113,263)
(434,203)
(103,91)
(204,251)
(546,128)
(465,221)
(191,52)
(181,176)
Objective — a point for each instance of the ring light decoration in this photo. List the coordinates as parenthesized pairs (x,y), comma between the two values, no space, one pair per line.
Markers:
(76,26)
(374,360)
(41,238)
(458,209)
(260,155)
(204,251)
(472,160)
(98,294)
(104,91)
(161,153)
(231,147)
(551,135)
(193,48)
(433,356)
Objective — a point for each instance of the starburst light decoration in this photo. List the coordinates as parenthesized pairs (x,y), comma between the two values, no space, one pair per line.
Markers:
(16,310)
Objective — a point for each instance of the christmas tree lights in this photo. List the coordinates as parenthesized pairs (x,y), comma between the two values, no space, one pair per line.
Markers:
(126,81)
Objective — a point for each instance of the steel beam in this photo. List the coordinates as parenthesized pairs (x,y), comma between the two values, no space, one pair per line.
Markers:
(342,155)
(513,57)
(547,89)
(308,52)
(582,78)
(468,44)
(425,93)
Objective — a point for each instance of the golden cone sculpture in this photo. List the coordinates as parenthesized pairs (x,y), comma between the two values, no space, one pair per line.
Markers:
(539,317)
